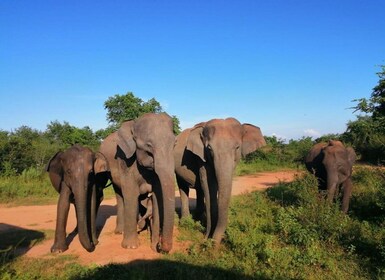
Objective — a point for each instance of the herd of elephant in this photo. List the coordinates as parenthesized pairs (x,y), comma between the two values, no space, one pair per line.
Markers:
(143,159)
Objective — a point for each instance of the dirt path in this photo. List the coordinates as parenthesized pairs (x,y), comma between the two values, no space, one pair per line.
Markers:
(109,249)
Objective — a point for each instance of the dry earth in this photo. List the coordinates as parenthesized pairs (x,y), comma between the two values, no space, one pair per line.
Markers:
(109,250)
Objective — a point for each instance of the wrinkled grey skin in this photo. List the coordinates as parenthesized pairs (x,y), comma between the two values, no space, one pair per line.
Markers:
(138,158)
(72,175)
(332,164)
(205,158)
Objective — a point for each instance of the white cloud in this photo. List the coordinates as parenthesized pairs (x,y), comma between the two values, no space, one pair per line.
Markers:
(312,133)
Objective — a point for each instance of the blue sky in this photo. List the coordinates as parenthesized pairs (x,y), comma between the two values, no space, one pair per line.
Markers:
(290,67)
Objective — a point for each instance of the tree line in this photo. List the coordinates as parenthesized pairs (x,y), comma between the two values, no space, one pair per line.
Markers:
(26,148)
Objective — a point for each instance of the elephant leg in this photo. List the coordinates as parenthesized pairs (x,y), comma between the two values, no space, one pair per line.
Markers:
(206,192)
(119,211)
(348,186)
(200,208)
(142,222)
(63,207)
(184,193)
(155,223)
(130,216)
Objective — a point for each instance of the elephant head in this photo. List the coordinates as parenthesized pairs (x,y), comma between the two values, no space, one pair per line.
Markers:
(71,173)
(220,144)
(148,142)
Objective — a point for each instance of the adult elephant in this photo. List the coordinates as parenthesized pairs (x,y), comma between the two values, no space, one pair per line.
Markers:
(72,175)
(205,158)
(138,158)
(332,164)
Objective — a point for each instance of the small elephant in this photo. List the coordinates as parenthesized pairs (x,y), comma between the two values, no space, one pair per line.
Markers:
(72,175)
(145,216)
(332,164)
(138,159)
(205,158)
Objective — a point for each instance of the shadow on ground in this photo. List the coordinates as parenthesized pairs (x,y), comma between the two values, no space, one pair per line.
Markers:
(17,241)
(161,269)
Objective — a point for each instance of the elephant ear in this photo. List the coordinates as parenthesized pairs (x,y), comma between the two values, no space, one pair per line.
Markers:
(100,164)
(252,139)
(126,138)
(55,169)
(195,141)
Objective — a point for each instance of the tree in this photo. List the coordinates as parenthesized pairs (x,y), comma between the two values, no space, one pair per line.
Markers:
(66,135)
(128,107)
(367,132)
(375,105)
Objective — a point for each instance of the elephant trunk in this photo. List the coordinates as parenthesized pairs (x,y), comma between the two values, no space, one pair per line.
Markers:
(224,168)
(83,214)
(166,203)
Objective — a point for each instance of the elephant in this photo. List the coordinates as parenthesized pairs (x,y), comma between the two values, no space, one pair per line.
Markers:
(332,164)
(205,159)
(72,175)
(138,159)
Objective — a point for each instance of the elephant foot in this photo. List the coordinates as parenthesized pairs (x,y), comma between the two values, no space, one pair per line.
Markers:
(59,248)
(164,248)
(132,243)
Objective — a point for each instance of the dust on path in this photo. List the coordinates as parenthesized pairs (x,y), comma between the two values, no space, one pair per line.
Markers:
(109,250)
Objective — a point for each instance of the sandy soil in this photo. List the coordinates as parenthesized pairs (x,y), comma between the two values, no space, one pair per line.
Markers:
(109,250)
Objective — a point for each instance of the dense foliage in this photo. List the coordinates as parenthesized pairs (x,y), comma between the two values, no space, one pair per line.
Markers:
(367,132)
(26,148)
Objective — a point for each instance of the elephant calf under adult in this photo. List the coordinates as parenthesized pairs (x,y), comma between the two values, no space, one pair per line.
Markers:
(72,175)
(205,158)
(138,158)
(332,164)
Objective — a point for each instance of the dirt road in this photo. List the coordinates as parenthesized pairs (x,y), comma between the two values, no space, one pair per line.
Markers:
(109,250)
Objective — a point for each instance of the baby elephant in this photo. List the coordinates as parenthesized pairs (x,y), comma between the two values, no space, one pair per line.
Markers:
(72,175)
(332,164)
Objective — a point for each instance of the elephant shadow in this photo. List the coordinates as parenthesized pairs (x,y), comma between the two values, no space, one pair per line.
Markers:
(17,241)
(165,269)
(104,213)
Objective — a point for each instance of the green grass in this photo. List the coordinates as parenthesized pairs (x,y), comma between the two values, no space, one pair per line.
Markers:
(287,232)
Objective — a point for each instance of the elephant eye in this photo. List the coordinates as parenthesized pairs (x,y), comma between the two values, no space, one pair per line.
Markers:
(237,147)
(209,147)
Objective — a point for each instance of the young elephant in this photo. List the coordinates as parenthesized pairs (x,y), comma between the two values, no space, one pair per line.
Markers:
(72,175)
(205,158)
(332,164)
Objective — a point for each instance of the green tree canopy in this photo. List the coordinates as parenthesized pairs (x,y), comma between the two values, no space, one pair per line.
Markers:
(367,132)
(66,135)
(375,105)
(128,107)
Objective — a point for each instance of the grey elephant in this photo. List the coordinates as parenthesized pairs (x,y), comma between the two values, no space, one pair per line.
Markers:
(205,158)
(138,158)
(72,175)
(332,164)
